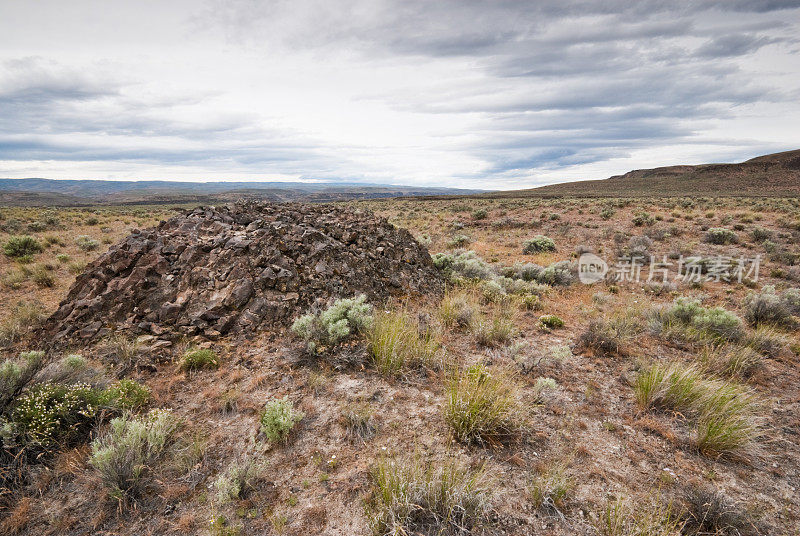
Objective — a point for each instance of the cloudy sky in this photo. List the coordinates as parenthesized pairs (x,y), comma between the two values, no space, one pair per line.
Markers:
(493,94)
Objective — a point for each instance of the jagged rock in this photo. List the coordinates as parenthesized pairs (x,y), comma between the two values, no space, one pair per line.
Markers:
(238,268)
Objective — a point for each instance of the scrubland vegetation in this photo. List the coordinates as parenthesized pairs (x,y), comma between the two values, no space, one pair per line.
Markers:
(521,401)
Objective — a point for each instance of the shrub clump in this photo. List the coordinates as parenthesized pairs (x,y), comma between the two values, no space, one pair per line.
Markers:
(538,244)
(278,419)
(482,406)
(343,320)
(466,264)
(414,498)
(198,358)
(131,448)
(721,236)
(551,322)
(687,320)
(769,307)
(22,246)
(87,243)
(238,480)
(47,415)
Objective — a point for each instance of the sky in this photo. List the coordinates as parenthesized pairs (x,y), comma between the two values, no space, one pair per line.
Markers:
(494,94)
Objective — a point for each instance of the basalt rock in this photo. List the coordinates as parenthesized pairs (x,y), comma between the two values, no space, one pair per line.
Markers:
(238,269)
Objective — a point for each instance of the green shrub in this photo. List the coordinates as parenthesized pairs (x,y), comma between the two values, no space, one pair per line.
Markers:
(643,218)
(50,414)
(87,243)
(278,419)
(198,358)
(132,448)
(717,323)
(411,498)
(466,264)
(767,307)
(687,320)
(721,236)
(559,273)
(396,342)
(238,480)
(125,395)
(479,214)
(482,406)
(22,246)
(63,258)
(345,319)
(538,244)
(459,241)
(551,321)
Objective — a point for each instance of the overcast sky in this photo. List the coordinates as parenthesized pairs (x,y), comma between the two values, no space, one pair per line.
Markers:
(493,94)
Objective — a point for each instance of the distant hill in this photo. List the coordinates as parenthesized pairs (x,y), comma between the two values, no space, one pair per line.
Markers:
(774,175)
(35,191)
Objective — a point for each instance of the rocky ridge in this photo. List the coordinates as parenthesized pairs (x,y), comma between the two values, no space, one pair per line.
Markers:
(239,268)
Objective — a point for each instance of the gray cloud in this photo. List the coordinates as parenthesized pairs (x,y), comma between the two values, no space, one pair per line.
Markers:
(512,86)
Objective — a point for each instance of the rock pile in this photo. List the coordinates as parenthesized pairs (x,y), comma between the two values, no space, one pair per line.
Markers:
(235,269)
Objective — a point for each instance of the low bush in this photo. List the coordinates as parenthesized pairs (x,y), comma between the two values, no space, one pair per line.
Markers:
(48,415)
(278,419)
(22,246)
(538,244)
(238,480)
(87,243)
(397,341)
(324,330)
(131,449)
(689,321)
(482,406)
(459,241)
(561,273)
(43,277)
(768,307)
(551,322)
(411,498)
(466,264)
(643,218)
(721,236)
(197,359)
